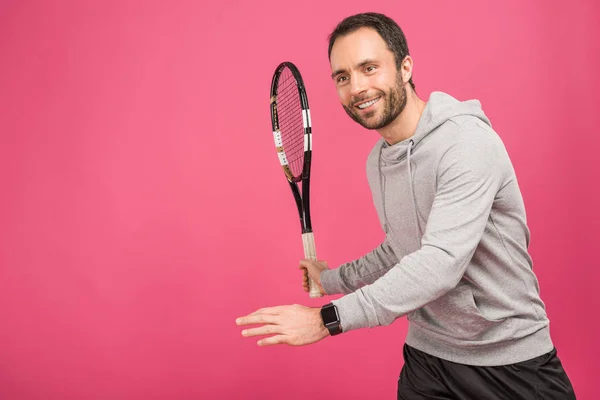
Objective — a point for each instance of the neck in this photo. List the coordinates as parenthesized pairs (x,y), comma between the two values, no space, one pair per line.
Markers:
(405,124)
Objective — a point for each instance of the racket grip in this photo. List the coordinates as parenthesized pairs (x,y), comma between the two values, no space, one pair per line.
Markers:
(310,253)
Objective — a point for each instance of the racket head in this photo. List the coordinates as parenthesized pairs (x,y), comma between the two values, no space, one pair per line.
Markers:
(290,120)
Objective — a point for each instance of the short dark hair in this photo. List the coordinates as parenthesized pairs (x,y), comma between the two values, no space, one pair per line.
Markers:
(387,28)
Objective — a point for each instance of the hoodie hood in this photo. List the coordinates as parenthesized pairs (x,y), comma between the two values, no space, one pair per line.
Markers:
(440,108)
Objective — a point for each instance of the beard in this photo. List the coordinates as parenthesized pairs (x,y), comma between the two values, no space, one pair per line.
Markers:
(394,103)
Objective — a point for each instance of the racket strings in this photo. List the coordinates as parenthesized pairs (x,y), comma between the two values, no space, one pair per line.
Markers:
(289,111)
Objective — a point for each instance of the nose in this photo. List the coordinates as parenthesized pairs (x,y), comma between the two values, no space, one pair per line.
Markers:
(357,85)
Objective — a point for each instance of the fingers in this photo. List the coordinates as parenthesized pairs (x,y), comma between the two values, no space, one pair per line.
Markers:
(254,318)
(273,310)
(305,279)
(267,315)
(263,330)
(304,273)
(268,311)
(273,340)
(309,267)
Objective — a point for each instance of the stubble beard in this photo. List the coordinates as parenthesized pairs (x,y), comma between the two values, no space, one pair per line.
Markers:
(394,103)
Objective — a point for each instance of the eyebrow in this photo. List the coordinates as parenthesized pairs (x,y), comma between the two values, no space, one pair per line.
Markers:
(359,65)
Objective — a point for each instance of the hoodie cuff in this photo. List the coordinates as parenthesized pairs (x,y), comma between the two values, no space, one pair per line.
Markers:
(330,280)
(356,312)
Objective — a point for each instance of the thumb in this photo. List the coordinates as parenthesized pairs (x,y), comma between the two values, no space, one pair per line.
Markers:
(310,266)
(314,268)
(307,263)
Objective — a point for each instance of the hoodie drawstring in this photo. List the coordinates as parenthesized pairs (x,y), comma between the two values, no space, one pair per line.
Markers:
(382,188)
(386,226)
(412,192)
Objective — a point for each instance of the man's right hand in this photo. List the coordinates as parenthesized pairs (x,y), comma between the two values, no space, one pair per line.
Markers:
(314,269)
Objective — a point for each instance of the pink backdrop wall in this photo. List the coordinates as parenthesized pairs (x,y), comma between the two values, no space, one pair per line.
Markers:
(142,208)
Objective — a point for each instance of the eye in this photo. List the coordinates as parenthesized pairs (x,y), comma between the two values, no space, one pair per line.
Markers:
(342,79)
(370,68)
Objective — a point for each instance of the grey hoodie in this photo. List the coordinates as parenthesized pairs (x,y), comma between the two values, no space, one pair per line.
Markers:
(454,259)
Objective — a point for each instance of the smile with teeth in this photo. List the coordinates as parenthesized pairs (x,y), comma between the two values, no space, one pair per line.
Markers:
(368,103)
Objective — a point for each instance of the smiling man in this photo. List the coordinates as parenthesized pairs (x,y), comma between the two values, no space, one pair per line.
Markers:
(454,259)
(376,96)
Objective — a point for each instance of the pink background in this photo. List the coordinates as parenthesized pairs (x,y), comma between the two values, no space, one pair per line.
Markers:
(142,207)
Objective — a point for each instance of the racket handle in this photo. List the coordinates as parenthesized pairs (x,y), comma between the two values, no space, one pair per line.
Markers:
(310,253)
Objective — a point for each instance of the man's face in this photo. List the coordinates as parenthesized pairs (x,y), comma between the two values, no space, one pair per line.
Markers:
(369,85)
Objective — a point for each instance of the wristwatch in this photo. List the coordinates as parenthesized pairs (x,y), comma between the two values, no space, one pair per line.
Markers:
(331,319)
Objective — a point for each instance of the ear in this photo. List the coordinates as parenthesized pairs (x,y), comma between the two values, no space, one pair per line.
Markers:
(406,68)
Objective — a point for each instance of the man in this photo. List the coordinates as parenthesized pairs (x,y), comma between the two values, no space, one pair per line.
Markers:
(454,259)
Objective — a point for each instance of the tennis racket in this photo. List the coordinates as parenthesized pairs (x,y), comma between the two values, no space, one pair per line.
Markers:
(290,118)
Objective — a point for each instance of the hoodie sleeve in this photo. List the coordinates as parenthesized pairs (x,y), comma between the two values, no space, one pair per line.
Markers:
(353,275)
(469,175)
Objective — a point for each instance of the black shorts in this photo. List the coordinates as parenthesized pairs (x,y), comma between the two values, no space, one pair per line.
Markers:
(427,377)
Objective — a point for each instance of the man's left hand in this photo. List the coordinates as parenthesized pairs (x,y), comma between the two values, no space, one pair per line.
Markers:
(293,325)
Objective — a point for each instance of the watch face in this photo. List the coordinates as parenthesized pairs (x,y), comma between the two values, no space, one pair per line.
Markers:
(329,314)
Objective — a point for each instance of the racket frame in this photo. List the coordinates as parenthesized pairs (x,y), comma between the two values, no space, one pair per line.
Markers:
(302,200)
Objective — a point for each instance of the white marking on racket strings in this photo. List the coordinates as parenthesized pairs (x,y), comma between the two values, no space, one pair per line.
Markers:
(282,158)
(277,137)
